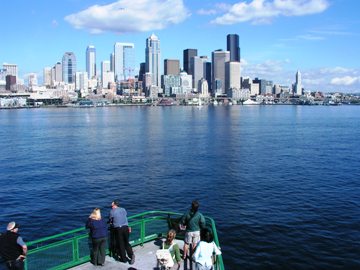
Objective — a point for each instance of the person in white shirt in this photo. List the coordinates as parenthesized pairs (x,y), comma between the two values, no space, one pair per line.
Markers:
(204,251)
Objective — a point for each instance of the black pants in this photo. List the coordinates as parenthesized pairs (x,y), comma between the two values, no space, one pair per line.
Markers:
(98,252)
(15,265)
(122,243)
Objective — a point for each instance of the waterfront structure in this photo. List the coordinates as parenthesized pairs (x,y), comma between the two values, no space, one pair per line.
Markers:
(152,59)
(232,76)
(124,61)
(69,67)
(91,61)
(171,67)
(232,45)
(298,86)
(188,54)
(47,76)
(219,58)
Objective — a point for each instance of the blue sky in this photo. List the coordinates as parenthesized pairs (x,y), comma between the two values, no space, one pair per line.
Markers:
(321,38)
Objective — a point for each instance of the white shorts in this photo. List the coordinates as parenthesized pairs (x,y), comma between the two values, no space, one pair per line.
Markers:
(192,237)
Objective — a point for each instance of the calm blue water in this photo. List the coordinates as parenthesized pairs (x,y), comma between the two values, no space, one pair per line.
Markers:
(281,182)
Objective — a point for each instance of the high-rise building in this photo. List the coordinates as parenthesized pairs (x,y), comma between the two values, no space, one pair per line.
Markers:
(47,76)
(298,86)
(124,61)
(198,66)
(232,45)
(219,58)
(32,79)
(69,67)
(152,59)
(107,76)
(56,74)
(171,67)
(82,82)
(188,54)
(91,61)
(232,76)
(10,69)
(112,62)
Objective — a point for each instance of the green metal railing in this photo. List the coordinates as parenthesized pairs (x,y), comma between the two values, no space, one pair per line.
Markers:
(72,248)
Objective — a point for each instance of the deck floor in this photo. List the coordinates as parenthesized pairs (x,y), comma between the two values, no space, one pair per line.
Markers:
(145,259)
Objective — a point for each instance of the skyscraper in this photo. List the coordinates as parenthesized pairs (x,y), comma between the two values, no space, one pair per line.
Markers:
(198,66)
(171,66)
(91,61)
(69,67)
(124,61)
(219,58)
(298,86)
(152,59)
(233,47)
(47,76)
(232,75)
(188,53)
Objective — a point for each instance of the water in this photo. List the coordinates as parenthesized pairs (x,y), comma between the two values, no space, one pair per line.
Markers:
(281,182)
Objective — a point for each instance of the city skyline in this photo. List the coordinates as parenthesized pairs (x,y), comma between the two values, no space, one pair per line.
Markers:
(277,38)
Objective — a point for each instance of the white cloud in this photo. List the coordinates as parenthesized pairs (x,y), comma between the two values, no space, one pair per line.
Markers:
(125,16)
(336,70)
(346,80)
(219,8)
(263,11)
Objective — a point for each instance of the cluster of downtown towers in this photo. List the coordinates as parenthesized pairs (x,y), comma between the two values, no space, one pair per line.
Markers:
(198,73)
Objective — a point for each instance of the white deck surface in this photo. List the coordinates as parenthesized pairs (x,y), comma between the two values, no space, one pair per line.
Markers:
(145,259)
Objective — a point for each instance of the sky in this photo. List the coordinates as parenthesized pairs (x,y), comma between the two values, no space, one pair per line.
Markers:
(320,38)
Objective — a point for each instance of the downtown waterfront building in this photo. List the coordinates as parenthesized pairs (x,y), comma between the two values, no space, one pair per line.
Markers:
(124,61)
(91,62)
(69,67)
(219,58)
(152,59)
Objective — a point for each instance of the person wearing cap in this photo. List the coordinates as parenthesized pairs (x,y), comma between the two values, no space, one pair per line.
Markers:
(12,247)
(119,222)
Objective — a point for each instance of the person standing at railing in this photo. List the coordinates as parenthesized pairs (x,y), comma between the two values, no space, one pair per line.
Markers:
(12,247)
(194,221)
(206,251)
(119,222)
(98,234)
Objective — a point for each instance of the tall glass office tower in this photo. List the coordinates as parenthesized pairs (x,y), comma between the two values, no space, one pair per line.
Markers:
(152,59)
(69,67)
(233,47)
(91,61)
(188,54)
(124,61)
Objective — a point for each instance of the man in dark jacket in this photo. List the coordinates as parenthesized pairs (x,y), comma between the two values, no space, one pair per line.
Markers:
(194,221)
(12,247)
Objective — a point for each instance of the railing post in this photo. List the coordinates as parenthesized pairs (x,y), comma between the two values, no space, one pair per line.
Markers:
(142,231)
(75,249)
